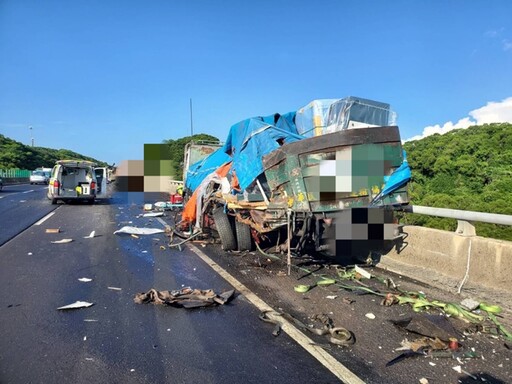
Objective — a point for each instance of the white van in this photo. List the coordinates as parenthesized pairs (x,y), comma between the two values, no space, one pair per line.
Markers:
(77,180)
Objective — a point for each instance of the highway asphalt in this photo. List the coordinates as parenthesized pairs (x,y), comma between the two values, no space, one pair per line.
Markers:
(116,340)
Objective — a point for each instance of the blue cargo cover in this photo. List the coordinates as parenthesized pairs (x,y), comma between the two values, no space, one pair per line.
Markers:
(198,171)
(251,139)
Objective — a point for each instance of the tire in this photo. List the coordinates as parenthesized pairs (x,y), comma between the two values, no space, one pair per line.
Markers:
(54,201)
(243,236)
(224,228)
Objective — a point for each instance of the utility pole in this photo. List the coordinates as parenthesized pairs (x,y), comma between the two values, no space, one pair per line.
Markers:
(191,122)
(32,136)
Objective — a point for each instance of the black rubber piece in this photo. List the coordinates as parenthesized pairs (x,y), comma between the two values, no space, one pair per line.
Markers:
(225,229)
(243,236)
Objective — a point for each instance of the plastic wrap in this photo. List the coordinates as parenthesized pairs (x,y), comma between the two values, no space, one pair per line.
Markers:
(311,120)
(355,112)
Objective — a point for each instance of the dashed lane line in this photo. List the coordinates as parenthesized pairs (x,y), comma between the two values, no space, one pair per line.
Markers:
(45,218)
(333,365)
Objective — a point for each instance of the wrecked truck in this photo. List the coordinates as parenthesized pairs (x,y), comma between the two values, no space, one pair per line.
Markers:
(327,177)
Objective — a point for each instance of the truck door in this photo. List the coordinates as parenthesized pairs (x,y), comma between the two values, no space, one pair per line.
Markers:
(101,182)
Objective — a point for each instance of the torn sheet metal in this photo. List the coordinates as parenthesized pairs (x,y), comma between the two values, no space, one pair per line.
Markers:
(184,298)
(138,231)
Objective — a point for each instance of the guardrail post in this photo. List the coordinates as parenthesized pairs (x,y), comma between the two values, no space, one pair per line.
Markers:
(465,228)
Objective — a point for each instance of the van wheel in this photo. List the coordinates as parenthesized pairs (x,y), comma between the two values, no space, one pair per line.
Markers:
(243,236)
(224,228)
(54,201)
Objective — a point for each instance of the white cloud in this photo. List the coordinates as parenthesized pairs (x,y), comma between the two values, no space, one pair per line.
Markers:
(507,45)
(493,112)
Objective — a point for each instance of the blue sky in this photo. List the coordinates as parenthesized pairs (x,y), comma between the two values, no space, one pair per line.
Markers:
(104,77)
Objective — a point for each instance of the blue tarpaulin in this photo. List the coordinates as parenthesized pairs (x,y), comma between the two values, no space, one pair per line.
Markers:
(251,139)
(198,171)
(400,177)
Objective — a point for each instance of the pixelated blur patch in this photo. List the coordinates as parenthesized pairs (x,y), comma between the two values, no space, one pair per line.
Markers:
(366,223)
(157,152)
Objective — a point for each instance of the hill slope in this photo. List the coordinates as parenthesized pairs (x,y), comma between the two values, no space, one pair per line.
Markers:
(14,154)
(469,169)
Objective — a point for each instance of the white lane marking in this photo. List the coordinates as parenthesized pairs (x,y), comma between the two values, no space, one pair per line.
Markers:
(45,218)
(333,365)
(30,190)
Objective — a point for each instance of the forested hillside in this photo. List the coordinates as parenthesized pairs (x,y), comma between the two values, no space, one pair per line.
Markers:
(177,149)
(14,154)
(469,169)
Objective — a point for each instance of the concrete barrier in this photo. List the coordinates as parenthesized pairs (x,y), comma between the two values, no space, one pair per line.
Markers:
(471,261)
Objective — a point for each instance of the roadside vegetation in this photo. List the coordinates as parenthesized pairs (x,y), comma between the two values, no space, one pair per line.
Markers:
(177,149)
(15,155)
(468,169)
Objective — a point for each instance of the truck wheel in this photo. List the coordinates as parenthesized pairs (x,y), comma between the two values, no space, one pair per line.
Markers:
(243,236)
(224,229)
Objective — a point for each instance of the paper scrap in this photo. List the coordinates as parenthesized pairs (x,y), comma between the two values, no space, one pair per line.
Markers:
(63,241)
(84,279)
(332,297)
(76,305)
(115,288)
(138,231)
(52,230)
(370,316)
(92,234)
(362,272)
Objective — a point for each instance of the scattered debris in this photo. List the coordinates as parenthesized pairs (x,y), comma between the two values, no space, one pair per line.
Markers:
(470,304)
(153,214)
(30,253)
(90,320)
(433,326)
(362,272)
(331,297)
(115,288)
(184,298)
(138,231)
(63,241)
(84,279)
(326,281)
(424,380)
(335,335)
(91,235)
(148,207)
(347,300)
(370,315)
(52,230)
(459,369)
(407,354)
(302,288)
(162,248)
(76,305)
(134,236)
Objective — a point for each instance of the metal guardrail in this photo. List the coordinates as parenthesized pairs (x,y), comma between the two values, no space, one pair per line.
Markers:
(464,228)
